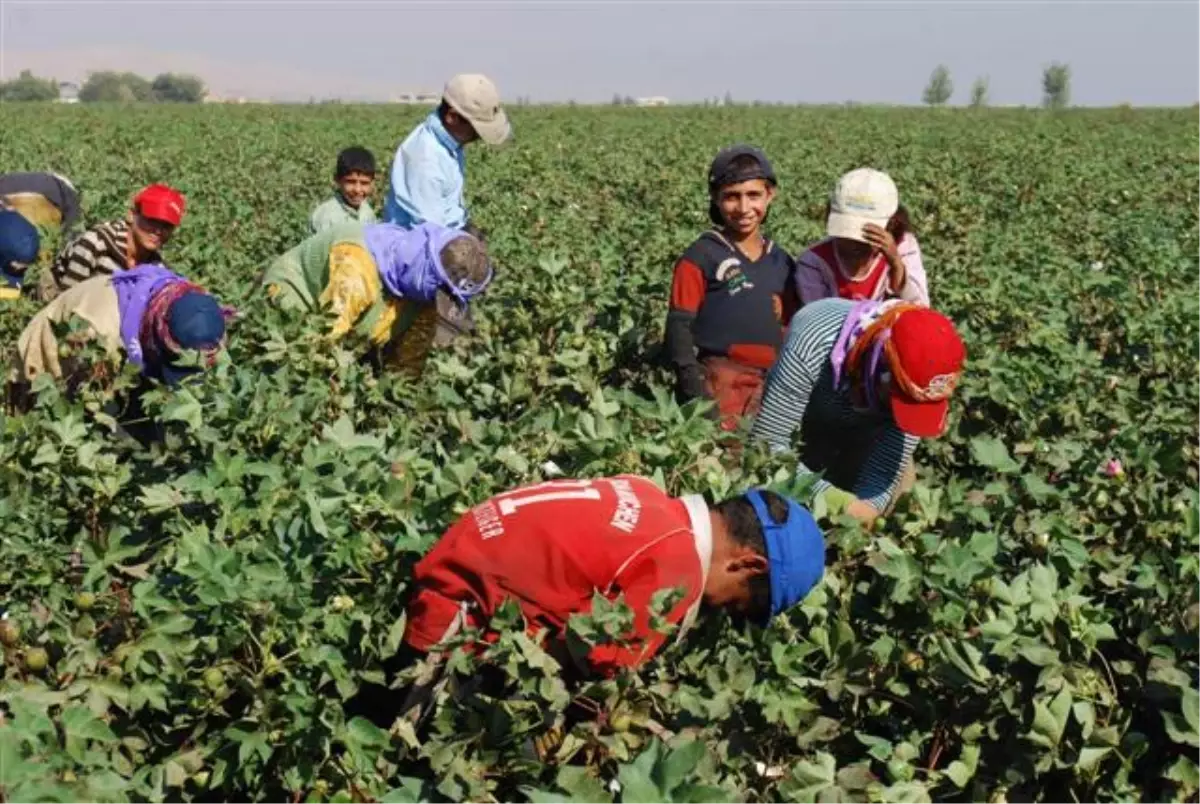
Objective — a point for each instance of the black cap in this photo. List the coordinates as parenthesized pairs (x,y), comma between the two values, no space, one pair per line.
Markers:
(722,172)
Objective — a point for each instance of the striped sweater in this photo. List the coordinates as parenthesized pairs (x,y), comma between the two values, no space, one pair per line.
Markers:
(102,249)
(800,393)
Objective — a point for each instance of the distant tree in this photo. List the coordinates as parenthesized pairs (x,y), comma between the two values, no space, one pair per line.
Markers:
(616,101)
(112,87)
(28,87)
(629,101)
(728,98)
(940,87)
(979,92)
(177,88)
(1056,86)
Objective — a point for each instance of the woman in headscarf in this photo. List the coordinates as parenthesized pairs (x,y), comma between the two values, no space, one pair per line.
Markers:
(382,281)
(150,315)
(863,381)
(19,243)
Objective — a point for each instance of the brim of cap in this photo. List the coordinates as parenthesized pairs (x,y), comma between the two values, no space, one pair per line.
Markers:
(495,131)
(920,419)
(159,212)
(841,224)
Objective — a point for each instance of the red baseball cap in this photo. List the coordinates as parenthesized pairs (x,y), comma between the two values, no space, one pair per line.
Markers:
(161,203)
(931,355)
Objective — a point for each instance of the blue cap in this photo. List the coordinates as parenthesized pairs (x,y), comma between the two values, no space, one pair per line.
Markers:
(19,242)
(196,322)
(795,552)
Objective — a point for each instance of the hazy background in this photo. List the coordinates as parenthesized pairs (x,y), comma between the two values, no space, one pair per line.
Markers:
(1142,52)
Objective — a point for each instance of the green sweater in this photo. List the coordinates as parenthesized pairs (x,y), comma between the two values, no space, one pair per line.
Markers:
(334,211)
(302,273)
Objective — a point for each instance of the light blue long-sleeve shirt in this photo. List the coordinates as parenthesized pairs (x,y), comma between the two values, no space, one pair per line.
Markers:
(428,174)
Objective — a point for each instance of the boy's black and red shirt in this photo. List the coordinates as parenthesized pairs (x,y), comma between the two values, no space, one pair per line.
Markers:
(725,304)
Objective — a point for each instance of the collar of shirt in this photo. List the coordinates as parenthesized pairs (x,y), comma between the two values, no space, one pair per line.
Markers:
(697,510)
(438,129)
(353,212)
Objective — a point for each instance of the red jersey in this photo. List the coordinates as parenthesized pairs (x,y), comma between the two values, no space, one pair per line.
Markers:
(551,546)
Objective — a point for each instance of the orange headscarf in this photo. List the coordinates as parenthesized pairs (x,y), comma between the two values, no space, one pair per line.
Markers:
(867,338)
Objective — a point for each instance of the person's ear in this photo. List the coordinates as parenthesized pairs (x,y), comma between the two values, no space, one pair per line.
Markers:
(770,193)
(747,563)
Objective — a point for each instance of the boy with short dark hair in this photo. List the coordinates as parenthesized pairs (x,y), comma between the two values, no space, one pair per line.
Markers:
(354,181)
(732,293)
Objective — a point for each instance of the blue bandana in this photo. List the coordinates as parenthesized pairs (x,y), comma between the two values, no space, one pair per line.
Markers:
(795,551)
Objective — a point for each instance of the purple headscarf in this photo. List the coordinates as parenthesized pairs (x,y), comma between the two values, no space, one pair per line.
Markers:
(860,317)
(410,261)
(135,288)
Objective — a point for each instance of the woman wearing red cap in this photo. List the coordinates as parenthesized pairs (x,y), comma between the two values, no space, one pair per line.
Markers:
(117,245)
(863,381)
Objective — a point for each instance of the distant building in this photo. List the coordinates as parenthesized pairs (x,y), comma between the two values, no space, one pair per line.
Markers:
(68,92)
(418,98)
(657,100)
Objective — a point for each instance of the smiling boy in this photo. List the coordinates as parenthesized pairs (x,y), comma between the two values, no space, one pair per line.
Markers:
(732,293)
(354,181)
(117,245)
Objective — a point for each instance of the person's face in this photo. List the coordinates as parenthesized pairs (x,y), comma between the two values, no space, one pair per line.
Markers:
(356,187)
(852,253)
(459,128)
(744,205)
(150,234)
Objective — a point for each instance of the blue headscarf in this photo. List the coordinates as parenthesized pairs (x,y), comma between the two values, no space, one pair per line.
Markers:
(795,553)
(19,243)
(410,261)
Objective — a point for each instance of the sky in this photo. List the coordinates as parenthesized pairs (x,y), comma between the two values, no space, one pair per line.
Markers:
(1143,52)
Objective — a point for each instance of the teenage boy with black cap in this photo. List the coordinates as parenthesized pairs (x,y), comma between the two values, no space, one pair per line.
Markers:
(732,293)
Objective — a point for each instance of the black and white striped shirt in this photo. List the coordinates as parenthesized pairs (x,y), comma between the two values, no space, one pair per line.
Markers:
(102,249)
(800,391)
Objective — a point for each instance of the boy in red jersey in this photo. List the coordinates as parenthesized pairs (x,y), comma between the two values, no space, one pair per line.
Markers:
(551,546)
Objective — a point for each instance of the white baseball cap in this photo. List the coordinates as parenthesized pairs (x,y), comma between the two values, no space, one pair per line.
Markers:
(861,196)
(475,97)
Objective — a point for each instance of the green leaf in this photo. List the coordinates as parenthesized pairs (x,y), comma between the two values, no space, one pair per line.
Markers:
(409,792)
(678,764)
(1050,720)
(78,721)
(1190,704)
(582,784)
(963,769)
(363,732)
(991,452)
(1184,773)
(183,407)
(893,562)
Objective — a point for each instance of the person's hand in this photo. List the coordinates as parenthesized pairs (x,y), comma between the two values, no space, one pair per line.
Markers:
(882,241)
(863,511)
